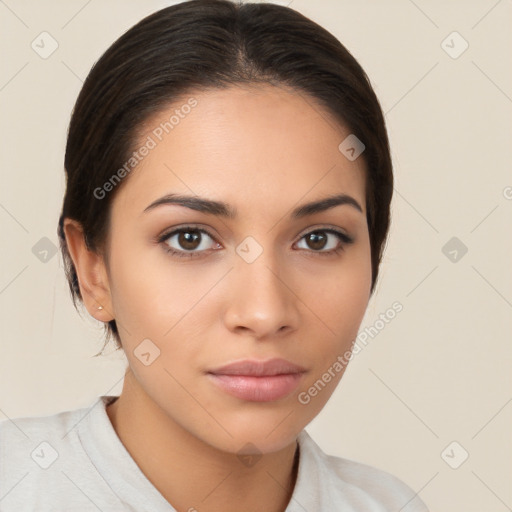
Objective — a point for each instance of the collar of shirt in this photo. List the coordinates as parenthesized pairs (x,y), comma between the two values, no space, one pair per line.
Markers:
(323,482)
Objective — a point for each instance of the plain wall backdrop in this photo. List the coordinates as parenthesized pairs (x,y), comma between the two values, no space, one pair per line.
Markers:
(434,384)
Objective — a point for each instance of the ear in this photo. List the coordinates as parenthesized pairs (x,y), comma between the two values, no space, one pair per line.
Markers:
(91,272)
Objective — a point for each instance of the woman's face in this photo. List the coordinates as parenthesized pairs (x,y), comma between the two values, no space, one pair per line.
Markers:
(258,286)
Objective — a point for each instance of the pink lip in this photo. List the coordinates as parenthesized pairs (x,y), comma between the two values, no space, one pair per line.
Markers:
(258,381)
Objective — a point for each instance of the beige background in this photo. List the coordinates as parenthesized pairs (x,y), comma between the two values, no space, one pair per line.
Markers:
(440,371)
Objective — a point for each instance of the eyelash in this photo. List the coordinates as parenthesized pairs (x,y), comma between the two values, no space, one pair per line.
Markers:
(342,237)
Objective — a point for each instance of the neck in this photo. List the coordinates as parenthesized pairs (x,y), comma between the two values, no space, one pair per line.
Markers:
(190,473)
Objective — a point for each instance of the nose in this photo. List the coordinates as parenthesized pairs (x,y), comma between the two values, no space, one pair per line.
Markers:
(261,299)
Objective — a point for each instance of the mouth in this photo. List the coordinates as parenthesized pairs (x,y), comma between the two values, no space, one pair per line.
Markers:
(258,381)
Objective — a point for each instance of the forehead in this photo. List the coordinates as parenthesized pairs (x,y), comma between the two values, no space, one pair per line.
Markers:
(252,146)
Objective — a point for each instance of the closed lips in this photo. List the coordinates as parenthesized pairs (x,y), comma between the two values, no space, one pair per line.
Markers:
(257,368)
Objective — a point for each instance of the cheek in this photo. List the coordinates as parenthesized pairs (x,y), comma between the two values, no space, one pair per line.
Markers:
(340,308)
(345,289)
(155,296)
(341,303)
(157,305)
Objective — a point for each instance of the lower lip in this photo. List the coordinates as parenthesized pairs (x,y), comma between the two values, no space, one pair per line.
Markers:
(257,389)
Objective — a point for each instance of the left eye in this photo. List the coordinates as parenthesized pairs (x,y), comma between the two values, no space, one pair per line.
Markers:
(318,240)
(188,239)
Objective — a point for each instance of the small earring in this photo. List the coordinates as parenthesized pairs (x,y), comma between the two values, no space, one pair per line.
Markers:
(100,307)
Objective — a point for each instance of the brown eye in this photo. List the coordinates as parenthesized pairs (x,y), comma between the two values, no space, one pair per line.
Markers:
(188,241)
(325,241)
(316,240)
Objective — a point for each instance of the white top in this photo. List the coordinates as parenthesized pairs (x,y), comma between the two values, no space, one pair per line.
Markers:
(74,461)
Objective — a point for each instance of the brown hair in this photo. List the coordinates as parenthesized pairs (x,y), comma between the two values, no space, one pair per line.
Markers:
(205,44)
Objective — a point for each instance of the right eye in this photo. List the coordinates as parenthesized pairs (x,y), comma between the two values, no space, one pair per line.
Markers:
(187,241)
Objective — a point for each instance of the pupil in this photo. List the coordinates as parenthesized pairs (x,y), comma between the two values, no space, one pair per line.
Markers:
(315,238)
(188,240)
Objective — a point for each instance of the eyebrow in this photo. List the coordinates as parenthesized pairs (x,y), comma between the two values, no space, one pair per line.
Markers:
(222,209)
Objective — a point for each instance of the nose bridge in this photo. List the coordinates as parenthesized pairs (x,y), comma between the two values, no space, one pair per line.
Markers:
(262,299)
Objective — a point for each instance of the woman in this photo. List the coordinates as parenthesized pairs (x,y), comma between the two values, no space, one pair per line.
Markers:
(227,204)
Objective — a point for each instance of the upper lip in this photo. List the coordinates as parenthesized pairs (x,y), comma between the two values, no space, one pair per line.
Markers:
(258,368)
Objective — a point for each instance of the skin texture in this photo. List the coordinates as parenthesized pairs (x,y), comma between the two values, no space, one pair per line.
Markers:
(264,150)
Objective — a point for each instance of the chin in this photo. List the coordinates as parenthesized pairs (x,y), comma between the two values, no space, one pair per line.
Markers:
(252,443)
(263,433)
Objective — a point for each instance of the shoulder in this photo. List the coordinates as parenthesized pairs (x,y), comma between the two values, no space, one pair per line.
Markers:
(59,430)
(358,483)
(30,441)
(24,433)
(41,459)
(25,427)
(380,485)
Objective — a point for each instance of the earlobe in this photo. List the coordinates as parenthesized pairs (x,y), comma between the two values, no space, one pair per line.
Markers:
(91,272)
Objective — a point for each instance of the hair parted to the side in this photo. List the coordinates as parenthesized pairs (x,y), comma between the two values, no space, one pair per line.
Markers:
(208,44)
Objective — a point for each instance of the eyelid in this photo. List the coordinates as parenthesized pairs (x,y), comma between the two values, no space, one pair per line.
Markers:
(327,228)
(172,231)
